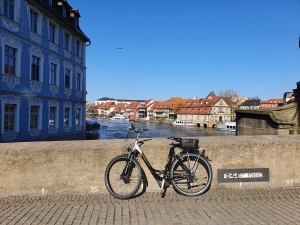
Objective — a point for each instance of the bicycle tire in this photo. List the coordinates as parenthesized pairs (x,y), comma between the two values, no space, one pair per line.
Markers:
(121,188)
(198,182)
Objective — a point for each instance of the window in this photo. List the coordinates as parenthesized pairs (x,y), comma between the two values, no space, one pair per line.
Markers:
(8,9)
(67,78)
(50,2)
(77,116)
(76,21)
(35,68)
(52,32)
(77,48)
(67,117)
(9,117)
(53,74)
(64,12)
(33,21)
(78,82)
(34,117)
(10,60)
(35,110)
(52,117)
(66,41)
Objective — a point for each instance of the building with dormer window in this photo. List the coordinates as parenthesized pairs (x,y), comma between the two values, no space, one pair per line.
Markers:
(43,71)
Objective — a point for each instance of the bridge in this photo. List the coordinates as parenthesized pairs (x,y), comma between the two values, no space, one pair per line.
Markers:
(282,120)
(63,183)
(63,167)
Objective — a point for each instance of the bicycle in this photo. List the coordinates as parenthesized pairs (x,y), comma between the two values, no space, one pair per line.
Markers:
(188,171)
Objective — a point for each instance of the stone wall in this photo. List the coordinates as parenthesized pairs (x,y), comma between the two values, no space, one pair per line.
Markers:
(253,124)
(36,168)
(280,120)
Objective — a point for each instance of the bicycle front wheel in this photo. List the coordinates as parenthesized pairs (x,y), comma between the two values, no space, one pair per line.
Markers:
(191,175)
(119,185)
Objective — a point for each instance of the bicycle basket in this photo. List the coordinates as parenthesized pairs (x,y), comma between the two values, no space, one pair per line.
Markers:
(189,144)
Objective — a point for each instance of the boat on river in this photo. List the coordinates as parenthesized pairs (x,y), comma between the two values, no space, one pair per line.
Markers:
(183,123)
(227,126)
(120,117)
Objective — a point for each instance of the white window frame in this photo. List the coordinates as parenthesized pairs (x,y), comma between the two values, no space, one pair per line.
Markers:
(53,129)
(33,114)
(17,57)
(9,99)
(56,119)
(56,61)
(70,78)
(39,103)
(37,53)
(80,116)
(56,31)
(79,86)
(11,23)
(33,21)
(14,10)
(13,114)
(38,22)
(79,50)
(67,46)
(53,75)
(69,106)
(39,68)
(11,57)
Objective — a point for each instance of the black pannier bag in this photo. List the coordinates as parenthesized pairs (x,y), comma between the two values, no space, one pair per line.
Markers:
(189,144)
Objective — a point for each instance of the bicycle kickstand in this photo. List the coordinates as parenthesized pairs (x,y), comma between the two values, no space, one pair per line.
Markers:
(162,188)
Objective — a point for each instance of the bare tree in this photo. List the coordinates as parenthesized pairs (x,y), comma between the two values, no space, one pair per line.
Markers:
(229,93)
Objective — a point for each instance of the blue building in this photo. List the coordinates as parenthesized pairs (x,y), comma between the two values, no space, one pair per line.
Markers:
(43,73)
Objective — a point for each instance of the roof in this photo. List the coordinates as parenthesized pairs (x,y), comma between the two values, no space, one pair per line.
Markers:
(272,101)
(210,94)
(54,13)
(251,102)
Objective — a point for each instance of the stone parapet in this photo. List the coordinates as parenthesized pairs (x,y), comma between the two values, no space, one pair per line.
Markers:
(37,168)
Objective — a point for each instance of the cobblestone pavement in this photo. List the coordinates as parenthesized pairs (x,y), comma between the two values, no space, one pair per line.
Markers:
(217,206)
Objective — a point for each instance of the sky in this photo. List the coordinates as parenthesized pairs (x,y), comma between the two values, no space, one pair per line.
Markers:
(188,48)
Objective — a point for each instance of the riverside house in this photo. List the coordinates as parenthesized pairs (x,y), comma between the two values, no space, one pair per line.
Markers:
(206,112)
(271,103)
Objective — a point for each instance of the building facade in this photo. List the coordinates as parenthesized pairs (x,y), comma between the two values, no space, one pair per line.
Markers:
(43,73)
(206,112)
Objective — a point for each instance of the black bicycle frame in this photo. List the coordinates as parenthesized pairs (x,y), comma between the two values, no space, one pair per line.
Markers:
(155,173)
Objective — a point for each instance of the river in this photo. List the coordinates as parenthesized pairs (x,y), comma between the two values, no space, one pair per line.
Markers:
(111,129)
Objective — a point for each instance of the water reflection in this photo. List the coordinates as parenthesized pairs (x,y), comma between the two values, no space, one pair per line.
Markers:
(111,129)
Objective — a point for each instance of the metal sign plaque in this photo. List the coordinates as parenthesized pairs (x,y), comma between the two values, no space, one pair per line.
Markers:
(243,175)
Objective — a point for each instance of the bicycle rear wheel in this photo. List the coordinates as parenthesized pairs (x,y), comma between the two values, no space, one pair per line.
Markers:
(192,175)
(123,186)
